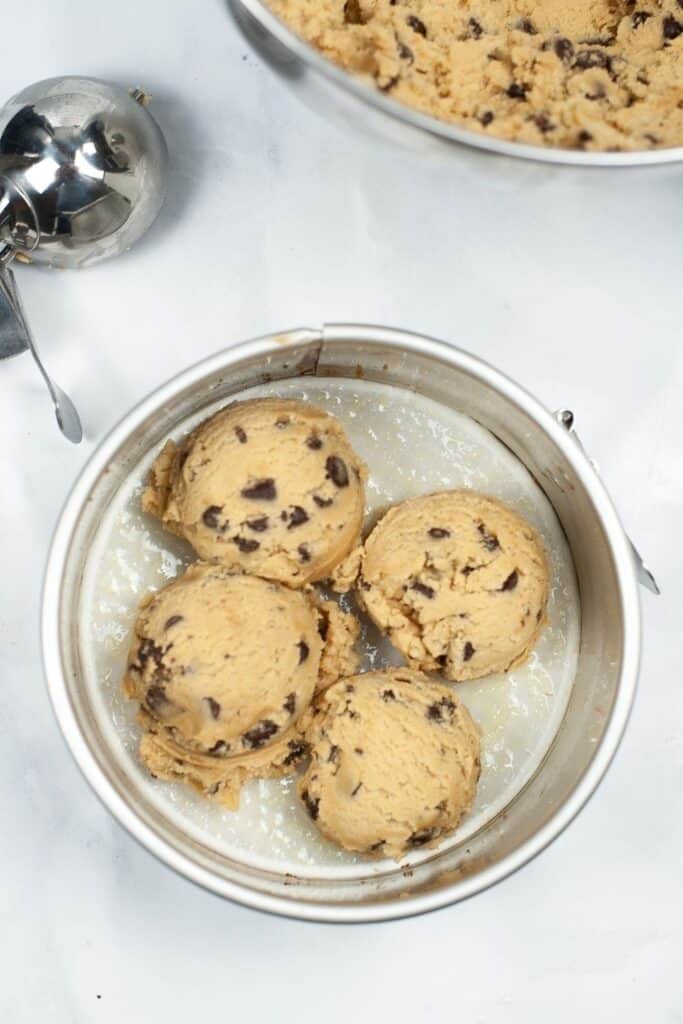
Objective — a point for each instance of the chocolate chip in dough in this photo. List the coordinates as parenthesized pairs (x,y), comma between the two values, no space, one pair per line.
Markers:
(314,442)
(353,14)
(290,703)
(241,435)
(423,589)
(218,749)
(322,502)
(304,552)
(297,517)
(336,471)
(564,48)
(260,734)
(511,582)
(388,695)
(245,545)
(475,29)
(214,707)
(298,749)
(156,699)
(422,836)
(417,25)
(438,533)
(210,516)
(173,621)
(671,28)
(304,651)
(312,804)
(467,651)
(517,91)
(525,25)
(261,490)
(639,18)
(259,524)
(489,540)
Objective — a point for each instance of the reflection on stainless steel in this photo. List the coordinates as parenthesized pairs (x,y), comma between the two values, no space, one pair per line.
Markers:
(645,576)
(82,176)
(603,688)
(338,94)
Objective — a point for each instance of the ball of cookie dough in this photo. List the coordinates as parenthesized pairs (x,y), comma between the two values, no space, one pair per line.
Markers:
(225,662)
(269,486)
(458,581)
(394,762)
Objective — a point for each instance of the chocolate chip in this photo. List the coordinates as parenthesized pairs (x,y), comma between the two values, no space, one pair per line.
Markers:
(639,18)
(587,59)
(298,749)
(563,48)
(423,589)
(435,712)
(323,627)
(388,695)
(282,422)
(511,582)
(312,805)
(322,502)
(304,552)
(210,516)
(359,751)
(218,749)
(290,703)
(441,659)
(353,14)
(376,846)
(544,125)
(486,118)
(583,137)
(388,86)
(156,699)
(245,545)
(336,471)
(304,651)
(489,540)
(404,52)
(149,650)
(241,435)
(261,490)
(517,91)
(417,25)
(525,25)
(539,615)
(671,28)
(467,651)
(354,791)
(350,688)
(258,525)
(438,533)
(214,707)
(475,29)
(260,734)
(333,755)
(173,621)
(423,836)
(297,516)
(314,442)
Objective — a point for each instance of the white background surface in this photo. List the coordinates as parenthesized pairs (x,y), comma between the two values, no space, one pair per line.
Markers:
(275,218)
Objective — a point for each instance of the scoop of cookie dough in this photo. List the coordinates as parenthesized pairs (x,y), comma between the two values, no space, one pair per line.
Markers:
(268,486)
(458,581)
(224,665)
(394,762)
(605,75)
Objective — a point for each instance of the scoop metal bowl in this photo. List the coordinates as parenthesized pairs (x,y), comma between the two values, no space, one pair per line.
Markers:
(82,177)
(606,570)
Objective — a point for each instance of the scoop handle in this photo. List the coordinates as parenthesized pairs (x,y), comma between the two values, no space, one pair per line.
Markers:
(16,337)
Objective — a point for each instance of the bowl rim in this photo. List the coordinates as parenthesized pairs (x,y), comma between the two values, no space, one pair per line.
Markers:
(396,340)
(308,55)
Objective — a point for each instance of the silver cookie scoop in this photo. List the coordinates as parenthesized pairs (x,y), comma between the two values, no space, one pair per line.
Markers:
(82,176)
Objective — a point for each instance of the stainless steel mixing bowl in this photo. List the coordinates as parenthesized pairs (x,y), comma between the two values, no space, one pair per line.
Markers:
(330,89)
(610,631)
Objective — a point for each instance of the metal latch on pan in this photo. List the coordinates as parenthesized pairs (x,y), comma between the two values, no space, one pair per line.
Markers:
(565,417)
(82,177)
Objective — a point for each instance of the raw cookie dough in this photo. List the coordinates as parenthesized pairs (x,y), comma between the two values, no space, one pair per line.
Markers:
(268,486)
(394,762)
(606,75)
(458,581)
(224,665)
